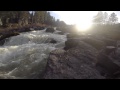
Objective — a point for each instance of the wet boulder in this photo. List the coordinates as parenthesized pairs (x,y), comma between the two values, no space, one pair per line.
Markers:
(3,41)
(53,41)
(71,64)
(73,36)
(39,28)
(106,66)
(50,30)
(27,29)
(61,33)
(71,43)
(5,36)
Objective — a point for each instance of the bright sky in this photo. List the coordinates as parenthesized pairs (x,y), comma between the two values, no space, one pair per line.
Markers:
(75,17)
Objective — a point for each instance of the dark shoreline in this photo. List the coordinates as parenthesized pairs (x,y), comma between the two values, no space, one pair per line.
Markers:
(7,33)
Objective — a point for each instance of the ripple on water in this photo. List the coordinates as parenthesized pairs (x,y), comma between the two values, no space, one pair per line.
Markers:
(25,55)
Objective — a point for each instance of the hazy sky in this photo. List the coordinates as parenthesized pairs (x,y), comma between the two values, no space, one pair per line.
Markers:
(75,17)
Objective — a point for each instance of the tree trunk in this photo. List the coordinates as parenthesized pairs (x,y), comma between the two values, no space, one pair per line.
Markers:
(20,22)
(26,22)
(1,22)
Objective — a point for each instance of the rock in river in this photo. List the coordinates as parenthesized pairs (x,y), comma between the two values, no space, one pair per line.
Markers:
(76,63)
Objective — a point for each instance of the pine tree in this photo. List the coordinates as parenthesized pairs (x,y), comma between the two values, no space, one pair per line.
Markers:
(98,19)
(23,17)
(113,18)
(105,18)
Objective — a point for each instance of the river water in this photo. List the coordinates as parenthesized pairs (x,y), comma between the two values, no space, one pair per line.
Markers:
(25,56)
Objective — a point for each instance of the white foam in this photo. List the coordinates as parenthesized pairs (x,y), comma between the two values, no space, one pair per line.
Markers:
(25,55)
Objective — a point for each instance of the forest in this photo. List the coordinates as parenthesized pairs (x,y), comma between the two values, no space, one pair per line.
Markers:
(22,18)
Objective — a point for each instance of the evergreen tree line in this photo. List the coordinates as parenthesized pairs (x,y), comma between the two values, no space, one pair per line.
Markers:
(104,18)
(23,18)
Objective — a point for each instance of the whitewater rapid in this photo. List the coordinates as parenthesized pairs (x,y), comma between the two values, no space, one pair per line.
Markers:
(25,56)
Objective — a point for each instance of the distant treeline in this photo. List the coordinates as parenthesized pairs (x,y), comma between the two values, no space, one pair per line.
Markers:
(104,18)
(22,18)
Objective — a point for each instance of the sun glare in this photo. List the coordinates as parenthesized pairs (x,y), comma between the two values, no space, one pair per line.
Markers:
(83,26)
(82,19)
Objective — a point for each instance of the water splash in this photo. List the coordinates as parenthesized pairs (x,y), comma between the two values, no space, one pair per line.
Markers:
(25,55)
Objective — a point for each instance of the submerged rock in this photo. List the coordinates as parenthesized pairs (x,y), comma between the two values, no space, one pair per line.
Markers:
(51,30)
(53,41)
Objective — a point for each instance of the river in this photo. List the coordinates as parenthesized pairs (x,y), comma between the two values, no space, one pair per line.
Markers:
(25,56)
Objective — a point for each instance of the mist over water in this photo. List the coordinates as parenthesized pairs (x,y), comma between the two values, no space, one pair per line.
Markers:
(25,55)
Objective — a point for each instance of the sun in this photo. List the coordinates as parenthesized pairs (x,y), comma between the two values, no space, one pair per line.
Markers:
(83,26)
(82,19)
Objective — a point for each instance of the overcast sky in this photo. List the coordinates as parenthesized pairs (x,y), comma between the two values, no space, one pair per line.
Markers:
(73,17)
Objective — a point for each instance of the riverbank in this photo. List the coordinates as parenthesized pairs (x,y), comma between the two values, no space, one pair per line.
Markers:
(82,60)
(88,56)
(14,31)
